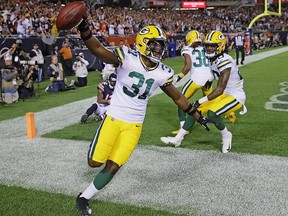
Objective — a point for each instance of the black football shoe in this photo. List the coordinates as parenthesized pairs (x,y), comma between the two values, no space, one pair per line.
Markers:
(83,206)
(84,118)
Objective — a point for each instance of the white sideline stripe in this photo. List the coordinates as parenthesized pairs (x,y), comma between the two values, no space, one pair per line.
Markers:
(172,179)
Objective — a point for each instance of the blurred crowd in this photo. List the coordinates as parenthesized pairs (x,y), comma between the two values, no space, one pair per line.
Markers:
(23,68)
(37,18)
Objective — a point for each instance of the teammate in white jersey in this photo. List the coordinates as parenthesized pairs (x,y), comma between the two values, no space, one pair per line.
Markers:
(228,96)
(197,65)
(139,73)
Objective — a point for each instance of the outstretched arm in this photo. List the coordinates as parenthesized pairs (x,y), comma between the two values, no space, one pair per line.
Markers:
(184,104)
(95,46)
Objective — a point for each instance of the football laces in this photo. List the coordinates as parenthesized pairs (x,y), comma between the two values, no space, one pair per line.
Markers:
(78,23)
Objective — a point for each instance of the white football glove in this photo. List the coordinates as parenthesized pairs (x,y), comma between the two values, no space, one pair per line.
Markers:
(176,79)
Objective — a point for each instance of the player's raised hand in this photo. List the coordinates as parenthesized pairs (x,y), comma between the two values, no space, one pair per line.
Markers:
(83,25)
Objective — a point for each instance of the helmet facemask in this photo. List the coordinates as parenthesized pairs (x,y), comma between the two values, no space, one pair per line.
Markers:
(151,43)
(155,49)
(112,80)
(214,44)
(211,50)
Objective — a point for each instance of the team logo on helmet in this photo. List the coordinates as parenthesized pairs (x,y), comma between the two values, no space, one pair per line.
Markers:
(144,31)
(218,41)
(151,42)
(221,37)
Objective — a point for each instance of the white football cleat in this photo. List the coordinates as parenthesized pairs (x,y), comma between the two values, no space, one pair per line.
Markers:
(171,140)
(226,142)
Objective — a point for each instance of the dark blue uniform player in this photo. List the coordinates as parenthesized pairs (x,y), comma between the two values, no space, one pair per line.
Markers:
(105,91)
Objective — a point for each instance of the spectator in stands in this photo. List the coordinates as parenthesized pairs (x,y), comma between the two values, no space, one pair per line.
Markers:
(81,72)
(22,25)
(9,76)
(5,31)
(30,32)
(9,23)
(111,29)
(57,76)
(66,53)
(121,43)
(120,29)
(126,43)
(37,56)
(56,51)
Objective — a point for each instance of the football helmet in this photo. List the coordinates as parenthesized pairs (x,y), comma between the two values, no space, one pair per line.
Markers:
(151,42)
(193,37)
(112,80)
(214,44)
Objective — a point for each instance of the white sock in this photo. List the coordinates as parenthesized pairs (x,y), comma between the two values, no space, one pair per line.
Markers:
(181,134)
(181,124)
(89,192)
(224,132)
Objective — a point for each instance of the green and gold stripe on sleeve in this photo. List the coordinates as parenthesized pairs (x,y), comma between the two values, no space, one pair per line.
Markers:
(224,63)
(120,54)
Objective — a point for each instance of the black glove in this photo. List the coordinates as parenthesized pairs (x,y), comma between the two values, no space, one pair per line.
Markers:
(203,121)
(84,25)
(196,104)
(207,84)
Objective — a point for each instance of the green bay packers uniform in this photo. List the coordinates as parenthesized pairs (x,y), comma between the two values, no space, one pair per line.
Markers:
(199,71)
(233,97)
(228,96)
(139,73)
(126,113)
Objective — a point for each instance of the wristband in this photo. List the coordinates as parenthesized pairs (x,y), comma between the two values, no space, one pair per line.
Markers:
(84,38)
(193,111)
(203,100)
(181,75)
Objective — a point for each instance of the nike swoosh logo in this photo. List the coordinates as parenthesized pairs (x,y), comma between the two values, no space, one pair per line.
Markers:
(138,126)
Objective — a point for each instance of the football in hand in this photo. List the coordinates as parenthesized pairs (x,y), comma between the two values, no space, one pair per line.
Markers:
(70,15)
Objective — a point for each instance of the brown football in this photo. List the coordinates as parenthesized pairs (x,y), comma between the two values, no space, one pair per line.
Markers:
(70,15)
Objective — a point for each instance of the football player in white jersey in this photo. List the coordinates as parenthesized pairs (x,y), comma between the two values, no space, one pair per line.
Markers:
(197,65)
(227,97)
(139,73)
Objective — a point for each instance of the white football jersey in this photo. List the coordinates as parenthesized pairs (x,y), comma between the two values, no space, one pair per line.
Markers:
(200,71)
(135,84)
(235,83)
